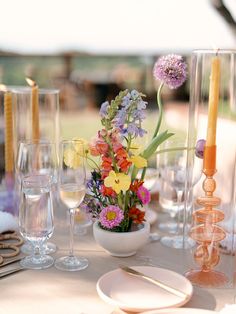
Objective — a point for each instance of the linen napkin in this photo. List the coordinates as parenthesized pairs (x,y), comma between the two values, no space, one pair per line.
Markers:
(8,222)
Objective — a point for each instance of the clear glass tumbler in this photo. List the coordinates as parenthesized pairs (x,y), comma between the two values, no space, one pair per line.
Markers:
(36,219)
(34,158)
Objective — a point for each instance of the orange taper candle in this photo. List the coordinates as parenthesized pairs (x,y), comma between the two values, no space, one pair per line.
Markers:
(214,91)
(9,160)
(34,109)
(209,161)
(35,113)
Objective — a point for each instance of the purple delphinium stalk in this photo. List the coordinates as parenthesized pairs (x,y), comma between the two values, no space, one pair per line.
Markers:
(111,216)
(131,114)
(104,109)
(171,70)
(199,148)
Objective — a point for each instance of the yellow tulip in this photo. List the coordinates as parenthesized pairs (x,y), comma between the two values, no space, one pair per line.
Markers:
(138,161)
(136,148)
(117,181)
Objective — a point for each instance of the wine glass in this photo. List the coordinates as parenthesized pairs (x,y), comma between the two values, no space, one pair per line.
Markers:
(36,219)
(173,168)
(37,158)
(72,187)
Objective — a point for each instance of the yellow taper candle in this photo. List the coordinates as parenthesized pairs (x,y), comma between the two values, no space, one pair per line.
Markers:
(214,91)
(34,109)
(9,160)
(35,113)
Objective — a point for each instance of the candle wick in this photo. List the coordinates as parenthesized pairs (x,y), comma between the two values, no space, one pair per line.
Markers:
(217,51)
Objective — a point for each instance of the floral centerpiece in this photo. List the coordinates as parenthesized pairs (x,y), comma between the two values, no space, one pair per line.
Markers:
(116,192)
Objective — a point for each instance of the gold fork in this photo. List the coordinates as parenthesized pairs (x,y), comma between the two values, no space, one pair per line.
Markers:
(156,282)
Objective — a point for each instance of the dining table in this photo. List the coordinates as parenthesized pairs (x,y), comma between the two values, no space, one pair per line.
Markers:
(52,291)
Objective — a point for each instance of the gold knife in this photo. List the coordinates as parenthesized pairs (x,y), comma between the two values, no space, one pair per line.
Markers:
(158,283)
(10,271)
(14,260)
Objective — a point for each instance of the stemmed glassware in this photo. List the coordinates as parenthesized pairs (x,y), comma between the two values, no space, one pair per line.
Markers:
(36,219)
(72,187)
(37,158)
(172,163)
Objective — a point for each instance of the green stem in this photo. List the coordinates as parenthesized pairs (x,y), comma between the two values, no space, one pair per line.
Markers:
(90,159)
(173,149)
(160,107)
(143,174)
(120,203)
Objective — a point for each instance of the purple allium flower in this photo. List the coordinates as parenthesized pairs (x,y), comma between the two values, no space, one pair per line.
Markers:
(144,195)
(171,70)
(199,148)
(103,109)
(111,216)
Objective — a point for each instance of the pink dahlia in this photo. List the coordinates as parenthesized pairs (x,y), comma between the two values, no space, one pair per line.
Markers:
(111,216)
(144,195)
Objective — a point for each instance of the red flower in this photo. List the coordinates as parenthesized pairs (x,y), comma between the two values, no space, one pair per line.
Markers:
(135,185)
(106,163)
(136,215)
(116,146)
(107,191)
(101,147)
(104,174)
(124,164)
(121,153)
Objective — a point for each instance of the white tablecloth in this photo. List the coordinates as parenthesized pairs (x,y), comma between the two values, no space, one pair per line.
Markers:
(52,291)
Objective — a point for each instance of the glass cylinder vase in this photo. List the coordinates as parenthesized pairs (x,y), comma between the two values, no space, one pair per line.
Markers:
(212,117)
(35,115)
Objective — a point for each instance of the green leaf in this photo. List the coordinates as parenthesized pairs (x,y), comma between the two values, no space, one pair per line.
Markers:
(160,138)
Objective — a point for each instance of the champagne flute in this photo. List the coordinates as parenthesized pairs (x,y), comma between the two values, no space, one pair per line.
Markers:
(72,187)
(174,172)
(35,158)
(36,219)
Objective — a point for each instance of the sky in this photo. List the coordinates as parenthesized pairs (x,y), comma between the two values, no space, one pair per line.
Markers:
(112,26)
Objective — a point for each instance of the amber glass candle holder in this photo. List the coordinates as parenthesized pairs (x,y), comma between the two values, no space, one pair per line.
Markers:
(213,211)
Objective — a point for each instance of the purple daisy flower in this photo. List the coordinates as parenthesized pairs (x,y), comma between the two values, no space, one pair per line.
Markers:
(199,148)
(111,216)
(171,70)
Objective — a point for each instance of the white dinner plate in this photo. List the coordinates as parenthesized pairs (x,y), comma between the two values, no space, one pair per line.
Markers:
(181,311)
(136,294)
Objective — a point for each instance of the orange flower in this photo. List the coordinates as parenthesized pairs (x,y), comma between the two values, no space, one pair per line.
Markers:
(136,215)
(106,163)
(135,185)
(102,147)
(121,153)
(124,164)
(107,191)
(93,149)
